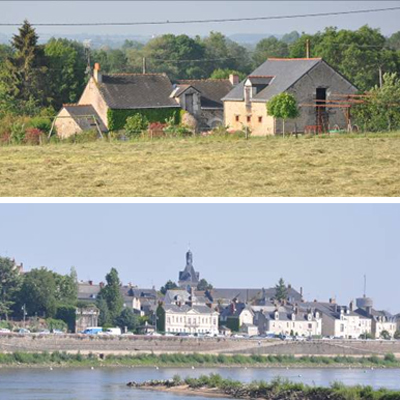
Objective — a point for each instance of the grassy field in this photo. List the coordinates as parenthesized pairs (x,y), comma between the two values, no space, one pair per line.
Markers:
(332,166)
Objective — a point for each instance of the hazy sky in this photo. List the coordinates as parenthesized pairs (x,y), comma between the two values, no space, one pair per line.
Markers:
(325,248)
(115,11)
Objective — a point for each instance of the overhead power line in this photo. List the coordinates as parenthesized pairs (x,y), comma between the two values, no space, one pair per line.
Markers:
(222,20)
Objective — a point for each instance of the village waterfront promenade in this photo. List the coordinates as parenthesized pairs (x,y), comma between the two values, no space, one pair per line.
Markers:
(139,344)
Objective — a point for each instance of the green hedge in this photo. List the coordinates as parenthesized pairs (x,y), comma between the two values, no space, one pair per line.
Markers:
(117,118)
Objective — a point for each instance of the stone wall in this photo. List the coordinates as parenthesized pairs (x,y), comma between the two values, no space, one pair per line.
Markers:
(147,344)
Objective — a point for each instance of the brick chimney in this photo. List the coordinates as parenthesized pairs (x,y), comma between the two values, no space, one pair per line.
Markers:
(97,74)
(234,79)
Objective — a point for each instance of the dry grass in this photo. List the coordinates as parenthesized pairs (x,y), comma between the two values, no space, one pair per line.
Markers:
(334,166)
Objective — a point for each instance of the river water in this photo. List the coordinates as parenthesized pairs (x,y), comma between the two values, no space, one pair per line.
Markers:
(110,383)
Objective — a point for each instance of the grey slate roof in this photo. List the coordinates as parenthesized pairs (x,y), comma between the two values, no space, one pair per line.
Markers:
(79,110)
(332,310)
(246,295)
(230,312)
(185,308)
(135,91)
(86,291)
(212,90)
(375,314)
(286,72)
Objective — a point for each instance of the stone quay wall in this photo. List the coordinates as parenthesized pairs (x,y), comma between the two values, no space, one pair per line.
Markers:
(158,345)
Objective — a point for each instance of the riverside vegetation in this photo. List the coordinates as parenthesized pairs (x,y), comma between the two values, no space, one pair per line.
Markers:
(336,165)
(280,389)
(64,359)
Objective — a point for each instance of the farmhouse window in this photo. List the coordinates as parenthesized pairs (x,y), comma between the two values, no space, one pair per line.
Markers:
(237,118)
(260,120)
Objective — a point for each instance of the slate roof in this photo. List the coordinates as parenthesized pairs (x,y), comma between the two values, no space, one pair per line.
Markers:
(79,110)
(135,91)
(375,314)
(332,310)
(246,295)
(185,308)
(230,312)
(86,291)
(212,90)
(286,73)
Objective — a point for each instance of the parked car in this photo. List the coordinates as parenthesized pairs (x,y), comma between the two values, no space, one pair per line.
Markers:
(4,330)
(24,331)
(44,332)
(57,332)
(94,330)
(112,331)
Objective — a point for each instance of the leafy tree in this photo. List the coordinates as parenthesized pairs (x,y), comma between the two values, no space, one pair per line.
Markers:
(381,110)
(270,47)
(104,312)
(223,53)
(128,319)
(283,106)
(25,71)
(224,74)
(38,293)
(160,318)
(112,295)
(67,314)
(393,42)
(281,292)
(66,287)
(170,285)
(397,335)
(136,124)
(204,285)
(10,282)
(67,66)
(290,37)
(385,335)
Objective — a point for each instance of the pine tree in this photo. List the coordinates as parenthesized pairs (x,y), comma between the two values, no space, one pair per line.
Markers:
(281,290)
(25,71)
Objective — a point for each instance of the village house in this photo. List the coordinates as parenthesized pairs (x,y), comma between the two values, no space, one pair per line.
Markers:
(109,99)
(203,99)
(86,317)
(191,319)
(289,321)
(312,81)
(340,321)
(239,317)
(380,320)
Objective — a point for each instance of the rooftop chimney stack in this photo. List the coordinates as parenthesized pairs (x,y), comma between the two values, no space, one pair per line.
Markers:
(97,74)
(234,79)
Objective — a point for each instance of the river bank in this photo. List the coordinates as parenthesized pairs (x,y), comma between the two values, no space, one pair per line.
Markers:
(194,360)
(216,386)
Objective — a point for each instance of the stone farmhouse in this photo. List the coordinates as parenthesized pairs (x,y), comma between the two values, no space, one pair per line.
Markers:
(109,99)
(310,80)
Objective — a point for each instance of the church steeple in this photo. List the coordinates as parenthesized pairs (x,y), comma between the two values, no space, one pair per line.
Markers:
(189,258)
(188,277)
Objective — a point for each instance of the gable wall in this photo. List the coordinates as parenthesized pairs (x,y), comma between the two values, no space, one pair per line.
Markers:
(91,95)
(305,92)
(66,127)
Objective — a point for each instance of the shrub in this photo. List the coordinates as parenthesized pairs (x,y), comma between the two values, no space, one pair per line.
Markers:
(42,123)
(135,125)
(390,357)
(17,133)
(33,136)
(56,324)
(84,137)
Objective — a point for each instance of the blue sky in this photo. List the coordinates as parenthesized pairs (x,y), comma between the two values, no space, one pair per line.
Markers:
(325,248)
(112,10)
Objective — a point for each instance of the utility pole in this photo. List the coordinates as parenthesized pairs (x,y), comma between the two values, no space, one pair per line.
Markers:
(380,77)
(144,65)
(308,48)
